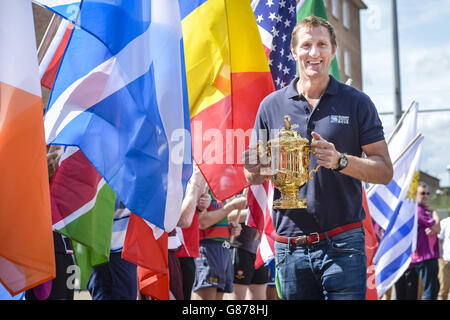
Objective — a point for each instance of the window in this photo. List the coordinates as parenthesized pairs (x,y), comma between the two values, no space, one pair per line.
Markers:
(347,63)
(338,57)
(346,14)
(335,8)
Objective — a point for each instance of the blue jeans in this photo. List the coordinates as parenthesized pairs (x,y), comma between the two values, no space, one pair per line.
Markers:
(333,269)
(428,271)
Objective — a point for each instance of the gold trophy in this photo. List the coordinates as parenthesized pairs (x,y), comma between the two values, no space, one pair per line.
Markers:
(288,157)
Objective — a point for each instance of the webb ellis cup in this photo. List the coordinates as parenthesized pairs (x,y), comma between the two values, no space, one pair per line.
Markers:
(288,159)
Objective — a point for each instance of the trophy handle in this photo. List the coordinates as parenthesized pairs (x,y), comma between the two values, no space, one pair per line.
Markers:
(313,171)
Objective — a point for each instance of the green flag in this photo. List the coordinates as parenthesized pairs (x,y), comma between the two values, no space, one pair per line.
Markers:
(90,234)
(307,8)
(83,210)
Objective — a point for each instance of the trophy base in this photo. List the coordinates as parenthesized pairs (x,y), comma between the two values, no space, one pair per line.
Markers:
(289,204)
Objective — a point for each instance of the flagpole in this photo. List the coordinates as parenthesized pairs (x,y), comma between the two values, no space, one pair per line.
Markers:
(398,97)
(400,156)
(46,39)
(399,123)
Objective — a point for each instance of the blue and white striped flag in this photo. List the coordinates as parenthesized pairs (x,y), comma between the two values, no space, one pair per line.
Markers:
(120,96)
(397,202)
(402,135)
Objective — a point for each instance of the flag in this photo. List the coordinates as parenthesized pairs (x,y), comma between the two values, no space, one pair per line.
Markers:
(118,104)
(26,241)
(275,20)
(260,201)
(405,130)
(228,76)
(371,244)
(394,251)
(52,59)
(147,246)
(82,209)
(403,133)
(5,295)
(306,8)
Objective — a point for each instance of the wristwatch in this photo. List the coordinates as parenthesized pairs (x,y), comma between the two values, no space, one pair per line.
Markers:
(343,161)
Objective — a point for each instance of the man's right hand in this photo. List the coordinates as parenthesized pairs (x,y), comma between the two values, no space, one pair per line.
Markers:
(251,161)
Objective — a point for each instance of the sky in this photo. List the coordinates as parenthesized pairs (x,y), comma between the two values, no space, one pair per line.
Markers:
(424,50)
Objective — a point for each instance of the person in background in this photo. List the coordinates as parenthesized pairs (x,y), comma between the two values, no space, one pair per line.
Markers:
(214,268)
(195,201)
(444,270)
(249,283)
(116,279)
(426,256)
(57,288)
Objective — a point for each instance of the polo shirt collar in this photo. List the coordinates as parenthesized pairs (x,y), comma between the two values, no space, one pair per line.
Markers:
(331,89)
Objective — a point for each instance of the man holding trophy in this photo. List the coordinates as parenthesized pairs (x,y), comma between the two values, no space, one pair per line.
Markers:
(309,138)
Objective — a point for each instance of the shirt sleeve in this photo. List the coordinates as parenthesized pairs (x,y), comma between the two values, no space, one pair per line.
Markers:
(370,126)
(260,129)
(423,219)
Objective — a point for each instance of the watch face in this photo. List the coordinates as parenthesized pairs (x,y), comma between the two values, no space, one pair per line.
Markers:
(343,161)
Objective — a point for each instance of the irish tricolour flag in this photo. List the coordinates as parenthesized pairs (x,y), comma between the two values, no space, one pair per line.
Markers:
(26,242)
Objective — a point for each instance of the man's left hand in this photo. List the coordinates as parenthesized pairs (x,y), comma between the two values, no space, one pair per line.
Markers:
(326,154)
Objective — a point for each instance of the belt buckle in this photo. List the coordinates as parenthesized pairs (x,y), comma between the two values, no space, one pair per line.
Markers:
(226,245)
(316,234)
(300,240)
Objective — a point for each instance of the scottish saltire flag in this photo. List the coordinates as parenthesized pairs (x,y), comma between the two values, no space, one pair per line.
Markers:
(402,135)
(276,20)
(125,103)
(397,201)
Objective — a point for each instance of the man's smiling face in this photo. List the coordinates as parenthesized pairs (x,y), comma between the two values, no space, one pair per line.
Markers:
(313,52)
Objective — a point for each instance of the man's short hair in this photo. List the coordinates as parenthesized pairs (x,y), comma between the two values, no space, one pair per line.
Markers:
(313,22)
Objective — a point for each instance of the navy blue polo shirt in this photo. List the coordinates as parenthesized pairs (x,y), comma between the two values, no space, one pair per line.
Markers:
(344,116)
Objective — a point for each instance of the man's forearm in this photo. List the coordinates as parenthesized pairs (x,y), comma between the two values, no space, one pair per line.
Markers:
(372,169)
(208,218)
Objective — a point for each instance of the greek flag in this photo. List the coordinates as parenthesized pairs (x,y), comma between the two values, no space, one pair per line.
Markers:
(397,203)
(120,95)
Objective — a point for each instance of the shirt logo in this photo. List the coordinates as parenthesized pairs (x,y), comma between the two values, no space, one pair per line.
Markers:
(339,119)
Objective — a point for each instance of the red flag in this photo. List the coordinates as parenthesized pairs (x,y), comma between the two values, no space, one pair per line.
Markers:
(151,257)
(260,199)
(53,56)
(371,248)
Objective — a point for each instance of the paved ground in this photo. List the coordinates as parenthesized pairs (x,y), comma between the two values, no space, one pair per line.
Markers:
(82,295)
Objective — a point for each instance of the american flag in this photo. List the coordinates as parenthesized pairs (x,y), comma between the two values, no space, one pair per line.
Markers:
(276,20)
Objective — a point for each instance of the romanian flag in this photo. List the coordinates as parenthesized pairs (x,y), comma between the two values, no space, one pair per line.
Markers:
(227,77)
(27,256)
